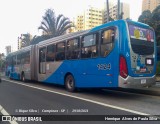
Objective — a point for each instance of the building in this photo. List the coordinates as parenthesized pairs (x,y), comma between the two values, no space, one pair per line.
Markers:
(19,43)
(124,8)
(90,18)
(80,22)
(8,50)
(150,4)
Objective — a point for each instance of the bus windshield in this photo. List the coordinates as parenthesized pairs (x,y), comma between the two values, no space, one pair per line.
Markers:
(142,40)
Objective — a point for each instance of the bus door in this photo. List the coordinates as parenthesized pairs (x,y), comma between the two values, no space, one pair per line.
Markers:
(42,63)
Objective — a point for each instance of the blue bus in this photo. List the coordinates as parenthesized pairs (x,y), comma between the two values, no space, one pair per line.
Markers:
(121,53)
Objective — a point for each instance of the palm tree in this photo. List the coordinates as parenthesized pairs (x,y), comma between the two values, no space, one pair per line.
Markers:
(37,39)
(26,39)
(54,26)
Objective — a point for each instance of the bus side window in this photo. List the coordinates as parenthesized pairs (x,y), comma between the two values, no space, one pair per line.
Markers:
(42,54)
(14,60)
(60,51)
(89,46)
(27,58)
(107,42)
(73,49)
(50,56)
(18,59)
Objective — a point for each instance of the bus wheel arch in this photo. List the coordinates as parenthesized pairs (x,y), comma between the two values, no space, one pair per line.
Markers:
(69,82)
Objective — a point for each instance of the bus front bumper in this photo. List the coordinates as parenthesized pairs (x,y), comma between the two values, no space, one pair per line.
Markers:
(135,82)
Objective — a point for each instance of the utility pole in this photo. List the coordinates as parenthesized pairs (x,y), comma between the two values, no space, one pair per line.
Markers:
(118,9)
(107,8)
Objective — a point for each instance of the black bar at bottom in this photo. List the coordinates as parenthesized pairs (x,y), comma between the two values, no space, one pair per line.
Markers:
(79,118)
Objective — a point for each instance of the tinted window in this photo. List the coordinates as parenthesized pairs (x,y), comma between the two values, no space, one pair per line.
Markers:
(60,53)
(89,46)
(50,55)
(14,60)
(73,49)
(19,59)
(142,40)
(42,55)
(107,41)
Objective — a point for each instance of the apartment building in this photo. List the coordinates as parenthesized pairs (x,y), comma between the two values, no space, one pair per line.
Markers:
(124,8)
(90,18)
(150,4)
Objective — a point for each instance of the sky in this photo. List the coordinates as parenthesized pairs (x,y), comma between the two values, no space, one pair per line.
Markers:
(24,16)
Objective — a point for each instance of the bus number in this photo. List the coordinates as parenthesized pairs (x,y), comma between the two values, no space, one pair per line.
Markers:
(104,66)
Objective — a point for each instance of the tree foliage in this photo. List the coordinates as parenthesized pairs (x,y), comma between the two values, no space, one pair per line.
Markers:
(54,26)
(25,39)
(152,19)
(38,39)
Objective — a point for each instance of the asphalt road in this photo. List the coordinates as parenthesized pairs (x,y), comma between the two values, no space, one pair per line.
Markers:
(18,98)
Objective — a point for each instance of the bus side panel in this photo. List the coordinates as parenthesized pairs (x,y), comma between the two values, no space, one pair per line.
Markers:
(15,73)
(90,72)
(97,72)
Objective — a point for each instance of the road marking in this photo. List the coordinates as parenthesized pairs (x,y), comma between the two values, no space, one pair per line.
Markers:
(5,113)
(84,99)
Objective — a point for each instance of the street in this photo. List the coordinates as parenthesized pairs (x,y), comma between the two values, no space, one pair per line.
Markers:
(32,98)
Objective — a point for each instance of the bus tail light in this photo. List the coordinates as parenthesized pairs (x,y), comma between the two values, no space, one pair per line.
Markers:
(123,67)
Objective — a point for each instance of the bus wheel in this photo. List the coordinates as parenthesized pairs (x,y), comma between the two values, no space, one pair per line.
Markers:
(23,78)
(70,83)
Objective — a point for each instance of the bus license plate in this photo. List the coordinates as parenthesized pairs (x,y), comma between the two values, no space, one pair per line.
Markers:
(143,81)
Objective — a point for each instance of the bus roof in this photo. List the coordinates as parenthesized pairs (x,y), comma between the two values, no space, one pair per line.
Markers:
(20,51)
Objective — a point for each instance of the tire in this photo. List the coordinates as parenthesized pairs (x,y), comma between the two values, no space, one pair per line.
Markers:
(23,78)
(70,83)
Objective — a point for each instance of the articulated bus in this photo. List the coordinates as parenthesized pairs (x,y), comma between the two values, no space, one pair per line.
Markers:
(116,54)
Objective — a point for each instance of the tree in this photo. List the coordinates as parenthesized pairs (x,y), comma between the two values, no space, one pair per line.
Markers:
(26,39)
(156,23)
(54,26)
(152,19)
(145,17)
(37,39)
